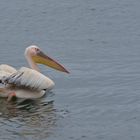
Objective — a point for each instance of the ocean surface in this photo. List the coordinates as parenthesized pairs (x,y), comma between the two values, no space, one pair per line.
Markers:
(98,41)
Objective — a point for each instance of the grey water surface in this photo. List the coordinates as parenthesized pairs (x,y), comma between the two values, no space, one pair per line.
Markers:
(98,41)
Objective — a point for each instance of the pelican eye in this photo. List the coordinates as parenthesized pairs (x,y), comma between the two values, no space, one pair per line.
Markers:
(37,49)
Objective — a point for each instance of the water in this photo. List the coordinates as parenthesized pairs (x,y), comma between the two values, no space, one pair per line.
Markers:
(98,41)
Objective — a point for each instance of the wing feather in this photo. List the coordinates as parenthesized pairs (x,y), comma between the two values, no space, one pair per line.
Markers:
(29,78)
(6,70)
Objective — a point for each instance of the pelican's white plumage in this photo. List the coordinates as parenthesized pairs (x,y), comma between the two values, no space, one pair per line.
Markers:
(29,78)
(28,82)
(6,70)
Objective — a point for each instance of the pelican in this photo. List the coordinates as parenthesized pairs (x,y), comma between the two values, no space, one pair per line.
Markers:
(28,82)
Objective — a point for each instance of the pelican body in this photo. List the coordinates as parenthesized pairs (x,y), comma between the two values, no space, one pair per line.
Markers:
(28,82)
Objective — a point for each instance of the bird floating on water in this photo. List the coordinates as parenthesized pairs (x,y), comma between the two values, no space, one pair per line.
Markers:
(28,82)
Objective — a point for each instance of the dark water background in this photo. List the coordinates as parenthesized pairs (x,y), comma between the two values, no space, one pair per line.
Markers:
(99,42)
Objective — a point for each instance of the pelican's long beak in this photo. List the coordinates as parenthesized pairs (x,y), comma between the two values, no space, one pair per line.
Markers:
(42,58)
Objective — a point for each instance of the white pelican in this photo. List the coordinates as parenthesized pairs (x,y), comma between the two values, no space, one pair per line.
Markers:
(28,82)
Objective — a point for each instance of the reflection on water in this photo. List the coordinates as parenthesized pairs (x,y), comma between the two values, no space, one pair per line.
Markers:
(26,118)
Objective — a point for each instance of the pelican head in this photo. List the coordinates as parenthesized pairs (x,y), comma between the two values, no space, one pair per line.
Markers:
(34,55)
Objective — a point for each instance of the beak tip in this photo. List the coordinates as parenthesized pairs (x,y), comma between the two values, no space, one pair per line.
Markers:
(66,71)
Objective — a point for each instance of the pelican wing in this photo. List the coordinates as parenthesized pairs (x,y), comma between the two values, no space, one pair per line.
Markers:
(4,74)
(28,78)
(6,70)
